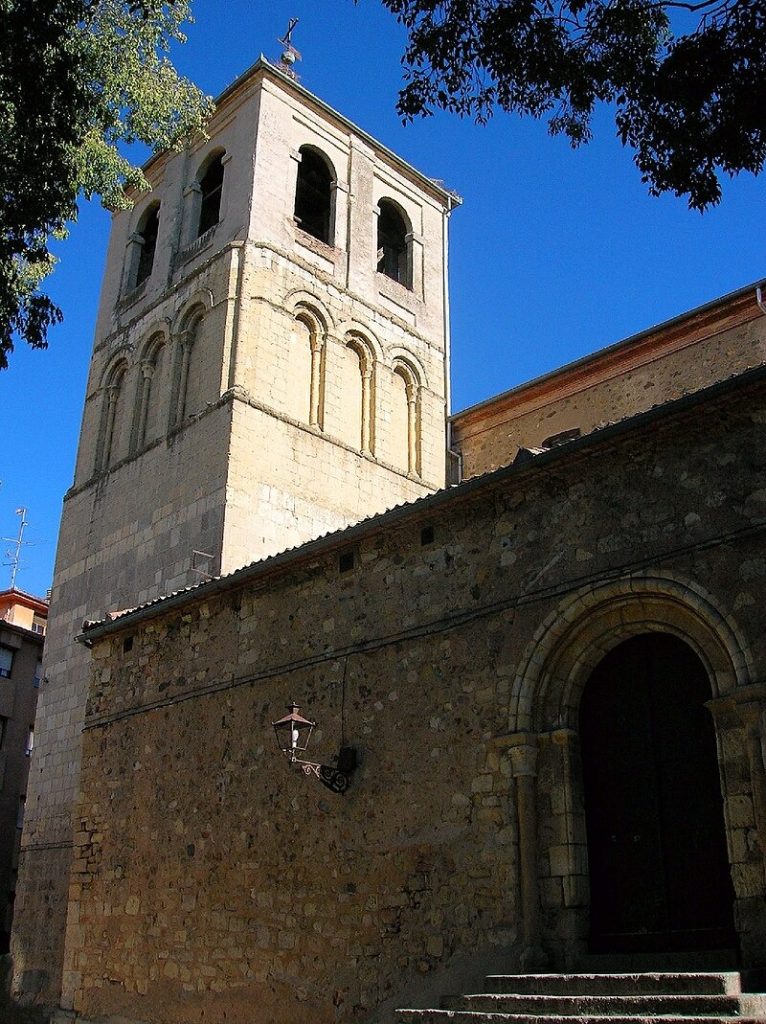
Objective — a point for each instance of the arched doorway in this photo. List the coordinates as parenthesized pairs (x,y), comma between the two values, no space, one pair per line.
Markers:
(658,865)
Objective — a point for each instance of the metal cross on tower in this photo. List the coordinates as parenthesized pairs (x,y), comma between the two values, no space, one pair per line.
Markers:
(289,55)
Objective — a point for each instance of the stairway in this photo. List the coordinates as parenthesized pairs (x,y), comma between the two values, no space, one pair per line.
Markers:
(669,998)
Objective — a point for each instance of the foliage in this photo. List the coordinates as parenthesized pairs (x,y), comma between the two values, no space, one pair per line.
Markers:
(77,79)
(688,79)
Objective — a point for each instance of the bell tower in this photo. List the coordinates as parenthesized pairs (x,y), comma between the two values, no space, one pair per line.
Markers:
(270,364)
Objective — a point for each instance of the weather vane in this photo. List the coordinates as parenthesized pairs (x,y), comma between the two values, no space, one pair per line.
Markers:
(289,55)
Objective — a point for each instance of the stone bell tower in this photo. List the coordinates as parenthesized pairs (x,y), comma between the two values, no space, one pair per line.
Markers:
(269,364)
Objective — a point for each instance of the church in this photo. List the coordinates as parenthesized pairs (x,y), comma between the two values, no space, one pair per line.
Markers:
(350,702)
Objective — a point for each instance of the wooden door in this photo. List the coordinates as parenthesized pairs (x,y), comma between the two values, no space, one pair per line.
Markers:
(659,872)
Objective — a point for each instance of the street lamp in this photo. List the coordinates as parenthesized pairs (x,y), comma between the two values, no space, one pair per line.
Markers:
(293,733)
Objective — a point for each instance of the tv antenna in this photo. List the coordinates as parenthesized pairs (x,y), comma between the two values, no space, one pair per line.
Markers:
(14,553)
(289,55)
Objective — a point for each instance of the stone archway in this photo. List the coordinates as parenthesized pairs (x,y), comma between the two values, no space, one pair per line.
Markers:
(544,744)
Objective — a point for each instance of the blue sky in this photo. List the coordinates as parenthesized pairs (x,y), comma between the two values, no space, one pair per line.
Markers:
(554,254)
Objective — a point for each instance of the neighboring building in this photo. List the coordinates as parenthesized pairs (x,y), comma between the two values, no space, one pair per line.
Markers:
(22,629)
(523,662)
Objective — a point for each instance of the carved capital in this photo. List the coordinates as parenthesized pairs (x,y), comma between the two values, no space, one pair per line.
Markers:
(522,750)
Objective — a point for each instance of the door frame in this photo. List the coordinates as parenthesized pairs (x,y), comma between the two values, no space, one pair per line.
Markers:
(543,718)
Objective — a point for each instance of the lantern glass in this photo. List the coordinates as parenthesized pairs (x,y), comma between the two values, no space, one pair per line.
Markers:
(293,732)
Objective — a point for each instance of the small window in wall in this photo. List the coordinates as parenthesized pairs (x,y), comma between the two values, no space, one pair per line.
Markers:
(38,675)
(30,741)
(313,195)
(3,728)
(393,248)
(38,624)
(148,234)
(20,812)
(211,185)
(6,661)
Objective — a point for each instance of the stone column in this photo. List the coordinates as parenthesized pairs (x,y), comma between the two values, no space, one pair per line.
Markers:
(112,393)
(743,771)
(412,427)
(366,408)
(147,370)
(186,339)
(522,749)
(315,405)
(753,717)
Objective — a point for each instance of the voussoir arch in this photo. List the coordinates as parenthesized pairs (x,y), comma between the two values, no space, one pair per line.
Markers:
(572,640)
(351,330)
(301,298)
(202,300)
(156,336)
(119,363)
(404,360)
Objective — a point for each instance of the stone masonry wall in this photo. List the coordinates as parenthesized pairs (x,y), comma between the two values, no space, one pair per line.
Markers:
(127,539)
(209,878)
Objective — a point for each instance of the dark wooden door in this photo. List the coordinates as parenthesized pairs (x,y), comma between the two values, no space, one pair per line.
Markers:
(659,872)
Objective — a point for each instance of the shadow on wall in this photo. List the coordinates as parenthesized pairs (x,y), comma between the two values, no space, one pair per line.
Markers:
(10,1012)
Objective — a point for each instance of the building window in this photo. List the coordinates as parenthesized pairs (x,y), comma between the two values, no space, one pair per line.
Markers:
(211,189)
(38,625)
(38,675)
(3,728)
(30,741)
(314,195)
(147,234)
(20,812)
(6,661)
(393,244)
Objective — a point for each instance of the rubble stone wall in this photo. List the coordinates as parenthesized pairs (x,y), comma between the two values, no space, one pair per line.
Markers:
(209,878)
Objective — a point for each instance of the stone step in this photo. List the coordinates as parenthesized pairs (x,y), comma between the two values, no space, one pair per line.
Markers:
(657,983)
(477,1017)
(651,1005)
(698,962)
